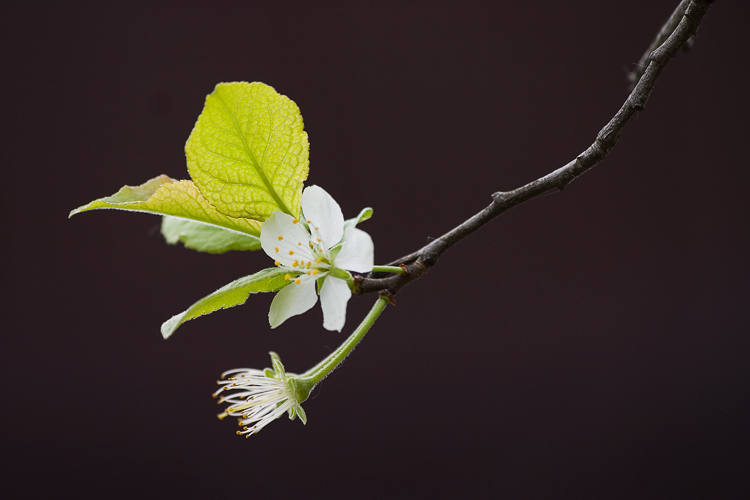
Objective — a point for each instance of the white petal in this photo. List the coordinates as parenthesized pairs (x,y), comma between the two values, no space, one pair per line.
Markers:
(294,238)
(323,213)
(334,294)
(357,253)
(292,300)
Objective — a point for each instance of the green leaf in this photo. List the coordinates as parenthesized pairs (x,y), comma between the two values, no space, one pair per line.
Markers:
(165,196)
(233,294)
(364,214)
(205,238)
(301,413)
(248,153)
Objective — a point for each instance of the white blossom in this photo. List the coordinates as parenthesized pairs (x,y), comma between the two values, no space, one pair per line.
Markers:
(310,250)
(257,397)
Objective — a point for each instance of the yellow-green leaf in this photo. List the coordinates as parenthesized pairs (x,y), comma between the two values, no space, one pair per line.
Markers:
(165,196)
(248,153)
(205,238)
(230,295)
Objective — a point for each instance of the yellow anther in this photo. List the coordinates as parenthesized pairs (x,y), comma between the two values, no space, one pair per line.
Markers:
(297,281)
(291,252)
(239,433)
(317,229)
(318,260)
(215,395)
(315,271)
(319,240)
(287,276)
(309,222)
(294,221)
(281,238)
(299,244)
(277,249)
(308,273)
(277,263)
(294,264)
(311,245)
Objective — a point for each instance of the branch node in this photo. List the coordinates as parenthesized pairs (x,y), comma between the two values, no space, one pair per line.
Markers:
(388,295)
(499,196)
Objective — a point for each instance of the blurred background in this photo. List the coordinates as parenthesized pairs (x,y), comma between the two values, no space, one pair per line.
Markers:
(588,344)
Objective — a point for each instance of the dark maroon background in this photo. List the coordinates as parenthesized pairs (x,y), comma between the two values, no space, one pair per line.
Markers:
(589,344)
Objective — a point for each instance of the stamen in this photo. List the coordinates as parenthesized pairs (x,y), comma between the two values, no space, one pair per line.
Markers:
(277,249)
(276,263)
(318,260)
(297,281)
(287,276)
(299,244)
(315,271)
(294,264)
(281,238)
(291,252)
(294,221)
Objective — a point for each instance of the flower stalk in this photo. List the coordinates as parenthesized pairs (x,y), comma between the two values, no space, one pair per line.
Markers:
(313,376)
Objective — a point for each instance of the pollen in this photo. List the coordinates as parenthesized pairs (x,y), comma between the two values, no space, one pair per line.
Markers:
(291,252)
(281,238)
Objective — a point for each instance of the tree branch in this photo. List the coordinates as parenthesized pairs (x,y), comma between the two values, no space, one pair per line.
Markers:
(681,26)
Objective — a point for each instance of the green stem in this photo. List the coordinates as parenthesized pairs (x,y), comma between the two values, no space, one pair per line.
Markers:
(306,381)
(388,269)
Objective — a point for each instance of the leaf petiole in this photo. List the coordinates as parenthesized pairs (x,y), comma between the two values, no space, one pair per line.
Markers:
(388,269)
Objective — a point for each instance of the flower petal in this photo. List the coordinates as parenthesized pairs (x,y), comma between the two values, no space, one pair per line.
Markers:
(280,235)
(324,214)
(334,294)
(357,253)
(292,300)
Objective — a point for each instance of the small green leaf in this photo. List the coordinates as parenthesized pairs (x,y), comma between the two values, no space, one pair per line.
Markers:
(230,295)
(278,366)
(364,214)
(165,196)
(248,153)
(205,238)
(301,413)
